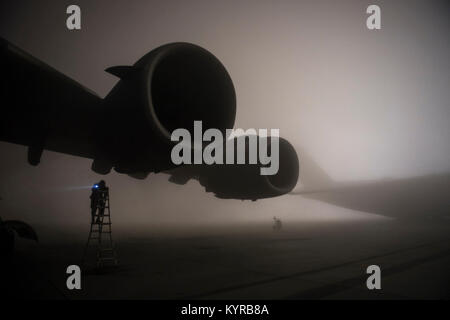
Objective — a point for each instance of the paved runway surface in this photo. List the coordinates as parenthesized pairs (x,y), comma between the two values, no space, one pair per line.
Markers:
(326,260)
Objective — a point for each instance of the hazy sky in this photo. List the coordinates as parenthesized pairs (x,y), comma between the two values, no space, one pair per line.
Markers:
(364,104)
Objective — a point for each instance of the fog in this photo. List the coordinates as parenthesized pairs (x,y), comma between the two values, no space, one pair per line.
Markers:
(364,105)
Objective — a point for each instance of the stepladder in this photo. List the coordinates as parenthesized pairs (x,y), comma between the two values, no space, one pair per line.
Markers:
(100,234)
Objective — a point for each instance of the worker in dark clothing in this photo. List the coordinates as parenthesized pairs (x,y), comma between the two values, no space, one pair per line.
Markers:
(98,200)
(276,224)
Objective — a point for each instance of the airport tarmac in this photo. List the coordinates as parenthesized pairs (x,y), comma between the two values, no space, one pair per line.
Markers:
(308,260)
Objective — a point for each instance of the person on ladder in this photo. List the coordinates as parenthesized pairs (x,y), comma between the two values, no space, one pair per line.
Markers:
(98,199)
(101,226)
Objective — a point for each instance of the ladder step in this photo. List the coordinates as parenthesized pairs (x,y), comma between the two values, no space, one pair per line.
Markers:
(109,256)
(107,259)
(103,231)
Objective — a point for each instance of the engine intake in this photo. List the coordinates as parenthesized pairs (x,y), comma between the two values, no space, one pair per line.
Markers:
(168,88)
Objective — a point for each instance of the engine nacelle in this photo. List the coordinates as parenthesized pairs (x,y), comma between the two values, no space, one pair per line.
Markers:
(168,88)
(245,181)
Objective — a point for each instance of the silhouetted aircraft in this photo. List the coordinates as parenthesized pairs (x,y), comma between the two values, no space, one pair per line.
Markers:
(130,129)
(419,197)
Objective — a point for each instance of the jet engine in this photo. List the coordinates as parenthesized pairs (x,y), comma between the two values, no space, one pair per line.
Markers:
(244,181)
(168,88)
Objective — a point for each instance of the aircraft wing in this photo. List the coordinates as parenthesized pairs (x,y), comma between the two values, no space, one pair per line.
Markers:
(129,130)
(414,197)
(42,108)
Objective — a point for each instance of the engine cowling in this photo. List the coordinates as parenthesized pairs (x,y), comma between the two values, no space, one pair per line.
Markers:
(245,181)
(168,88)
